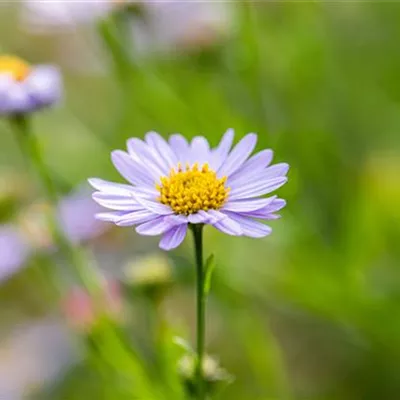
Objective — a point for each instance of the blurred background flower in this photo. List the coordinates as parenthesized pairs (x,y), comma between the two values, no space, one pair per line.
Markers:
(25,88)
(14,251)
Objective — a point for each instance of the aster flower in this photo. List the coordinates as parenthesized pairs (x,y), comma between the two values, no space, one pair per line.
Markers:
(25,88)
(173,184)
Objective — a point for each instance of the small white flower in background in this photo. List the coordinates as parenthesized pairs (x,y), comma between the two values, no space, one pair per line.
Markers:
(186,24)
(165,24)
(45,16)
(25,88)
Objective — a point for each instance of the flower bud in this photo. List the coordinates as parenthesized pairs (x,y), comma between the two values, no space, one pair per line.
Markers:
(150,275)
(213,373)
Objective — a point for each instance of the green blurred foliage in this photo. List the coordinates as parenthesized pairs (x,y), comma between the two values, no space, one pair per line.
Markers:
(312,312)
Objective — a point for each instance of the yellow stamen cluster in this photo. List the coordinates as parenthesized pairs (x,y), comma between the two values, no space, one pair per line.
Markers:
(14,66)
(192,189)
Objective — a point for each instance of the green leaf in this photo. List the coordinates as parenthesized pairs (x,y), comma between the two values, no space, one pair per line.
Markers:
(183,344)
(208,270)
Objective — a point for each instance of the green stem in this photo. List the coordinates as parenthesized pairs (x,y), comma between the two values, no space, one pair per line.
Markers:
(31,151)
(198,245)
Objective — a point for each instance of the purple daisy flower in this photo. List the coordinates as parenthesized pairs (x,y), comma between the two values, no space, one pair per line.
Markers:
(25,88)
(173,184)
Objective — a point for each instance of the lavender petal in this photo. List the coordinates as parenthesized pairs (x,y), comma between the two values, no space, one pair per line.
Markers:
(200,217)
(225,224)
(130,169)
(154,227)
(163,149)
(110,187)
(238,156)
(135,217)
(148,158)
(18,100)
(180,147)
(249,227)
(247,205)
(256,188)
(253,165)
(200,150)
(220,153)
(174,237)
(154,206)
(116,201)
(44,85)
(268,211)
(111,216)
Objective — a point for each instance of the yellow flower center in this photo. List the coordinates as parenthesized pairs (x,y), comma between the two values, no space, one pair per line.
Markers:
(192,189)
(14,66)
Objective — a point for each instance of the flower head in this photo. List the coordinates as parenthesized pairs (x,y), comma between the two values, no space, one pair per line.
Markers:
(25,88)
(173,184)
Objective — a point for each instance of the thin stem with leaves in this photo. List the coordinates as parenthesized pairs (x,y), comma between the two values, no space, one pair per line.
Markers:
(33,155)
(200,308)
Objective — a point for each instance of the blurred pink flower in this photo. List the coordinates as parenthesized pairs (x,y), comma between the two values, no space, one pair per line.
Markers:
(83,311)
